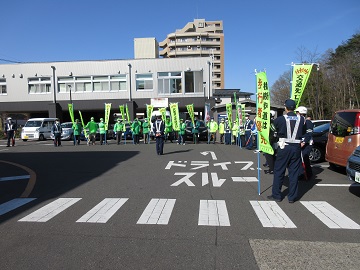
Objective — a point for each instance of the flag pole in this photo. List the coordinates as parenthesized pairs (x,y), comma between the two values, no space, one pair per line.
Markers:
(257,137)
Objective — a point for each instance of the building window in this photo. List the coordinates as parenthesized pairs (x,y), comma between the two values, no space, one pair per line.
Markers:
(40,85)
(118,83)
(169,83)
(193,82)
(82,84)
(101,83)
(3,87)
(144,82)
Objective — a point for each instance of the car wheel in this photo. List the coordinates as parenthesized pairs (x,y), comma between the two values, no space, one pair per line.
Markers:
(24,140)
(316,154)
(41,137)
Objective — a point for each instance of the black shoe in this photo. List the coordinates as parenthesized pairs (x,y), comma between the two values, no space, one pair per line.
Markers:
(269,172)
(291,201)
(266,165)
(270,197)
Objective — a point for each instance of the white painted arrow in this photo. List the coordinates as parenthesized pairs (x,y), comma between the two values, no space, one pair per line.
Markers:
(209,152)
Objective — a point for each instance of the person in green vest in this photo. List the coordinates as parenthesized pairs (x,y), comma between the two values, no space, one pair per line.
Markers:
(195,130)
(222,130)
(181,138)
(168,130)
(93,127)
(102,131)
(118,130)
(77,127)
(213,128)
(235,133)
(136,126)
(146,130)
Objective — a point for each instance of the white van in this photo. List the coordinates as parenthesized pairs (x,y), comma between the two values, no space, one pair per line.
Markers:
(37,129)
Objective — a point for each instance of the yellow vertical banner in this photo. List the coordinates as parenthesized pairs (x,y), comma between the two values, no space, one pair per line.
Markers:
(122,112)
(149,110)
(83,124)
(229,113)
(300,76)
(175,117)
(263,113)
(127,113)
(107,114)
(190,109)
(71,112)
(163,113)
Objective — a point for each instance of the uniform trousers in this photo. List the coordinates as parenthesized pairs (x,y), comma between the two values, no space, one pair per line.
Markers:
(306,153)
(160,145)
(249,139)
(289,157)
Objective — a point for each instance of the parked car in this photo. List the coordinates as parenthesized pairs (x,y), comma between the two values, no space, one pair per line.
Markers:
(203,132)
(320,122)
(67,132)
(353,166)
(320,137)
(344,137)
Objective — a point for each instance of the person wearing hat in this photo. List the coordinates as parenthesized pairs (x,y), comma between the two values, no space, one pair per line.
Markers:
(195,130)
(102,131)
(222,129)
(77,127)
(136,126)
(118,130)
(168,129)
(57,130)
(182,132)
(10,128)
(270,159)
(248,136)
(227,132)
(290,130)
(305,170)
(146,130)
(159,131)
(235,132)
(93,127)
(213,128)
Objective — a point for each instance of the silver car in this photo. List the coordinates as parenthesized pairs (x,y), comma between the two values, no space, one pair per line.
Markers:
(353,166)
(67,132)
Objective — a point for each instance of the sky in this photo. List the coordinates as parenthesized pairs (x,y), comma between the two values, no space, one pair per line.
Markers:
(259,35)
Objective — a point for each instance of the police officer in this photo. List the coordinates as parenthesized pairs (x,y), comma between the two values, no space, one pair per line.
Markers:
(227,132)
(290,130)
(10,128)
(159,131)
(57,130)
(306,149)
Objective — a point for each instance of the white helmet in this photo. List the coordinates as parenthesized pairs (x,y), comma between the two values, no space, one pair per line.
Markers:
(301,110)
(272,113)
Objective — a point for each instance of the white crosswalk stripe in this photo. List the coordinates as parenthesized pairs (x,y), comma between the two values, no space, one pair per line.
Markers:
(50,210)
(213,213)
(271,215)
(102,212)
(158,211)
(330,216)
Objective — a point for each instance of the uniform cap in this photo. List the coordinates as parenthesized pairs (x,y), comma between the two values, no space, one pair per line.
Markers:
(301,110)
(92,118)
(101,119)
(9,118)
(290,104)
(272,113)
(222,120)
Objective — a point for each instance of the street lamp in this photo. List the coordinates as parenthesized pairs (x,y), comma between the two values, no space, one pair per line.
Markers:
(69,85)
(129,65)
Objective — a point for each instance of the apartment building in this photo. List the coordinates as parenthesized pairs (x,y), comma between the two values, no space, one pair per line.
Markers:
(199,38)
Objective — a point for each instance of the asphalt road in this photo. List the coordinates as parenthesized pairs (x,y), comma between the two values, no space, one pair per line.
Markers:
(195,207)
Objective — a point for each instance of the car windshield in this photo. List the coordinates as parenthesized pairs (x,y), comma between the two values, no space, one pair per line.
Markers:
(66,125)
(33,124)
(321,128)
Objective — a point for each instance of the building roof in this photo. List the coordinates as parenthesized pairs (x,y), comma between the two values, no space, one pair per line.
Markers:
(230,93)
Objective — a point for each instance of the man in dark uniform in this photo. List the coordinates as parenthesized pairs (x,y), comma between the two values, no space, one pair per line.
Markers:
(248,136)
(10,128)
(159,129)
(290,129)
(57,130)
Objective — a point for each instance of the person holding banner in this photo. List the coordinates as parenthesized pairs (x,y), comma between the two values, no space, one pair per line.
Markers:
(102,131)
(182,132)
(213,127)
(136,126)
(118,130)
(168,130)
(159,129)
(146,130)
(290,129)
(222,130)
(93,127)
(77,127)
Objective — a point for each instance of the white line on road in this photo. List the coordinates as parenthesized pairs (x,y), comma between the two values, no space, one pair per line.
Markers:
(13,204)
(103,211)
(244,179)
(158,211)
(338,185)
(329,215)
(271,215)
(213,213)
(50,210)
(19,177)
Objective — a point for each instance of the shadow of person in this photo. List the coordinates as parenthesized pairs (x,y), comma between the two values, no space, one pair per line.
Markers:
(178,151)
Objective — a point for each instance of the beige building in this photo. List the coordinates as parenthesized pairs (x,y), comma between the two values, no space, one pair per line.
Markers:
(199,38)
(146,48)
